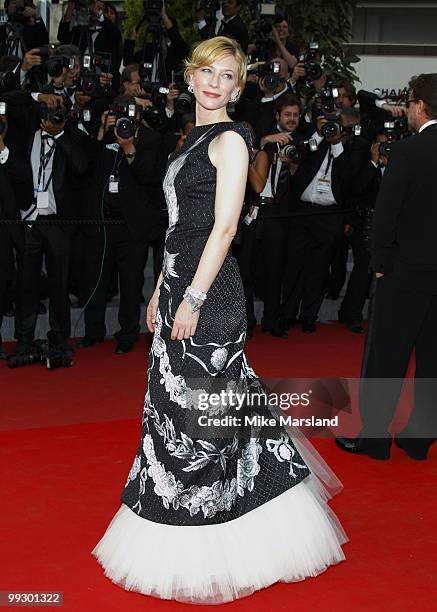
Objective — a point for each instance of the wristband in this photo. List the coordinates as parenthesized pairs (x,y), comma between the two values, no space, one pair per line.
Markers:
(194,297)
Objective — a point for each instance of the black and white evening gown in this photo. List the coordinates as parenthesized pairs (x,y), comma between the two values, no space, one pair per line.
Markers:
(208,521)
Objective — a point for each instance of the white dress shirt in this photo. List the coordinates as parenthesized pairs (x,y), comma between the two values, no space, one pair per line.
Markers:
(325,174)
(425,125)
(46,176)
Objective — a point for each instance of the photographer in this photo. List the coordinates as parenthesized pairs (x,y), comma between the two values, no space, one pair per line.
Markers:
(165,60)
(272,84)
(12,168)
(55,158)
(126,187)
(321,181)
(23,31)
(276,198)
(230,25)
(363,194)
(95,34)
(283,46)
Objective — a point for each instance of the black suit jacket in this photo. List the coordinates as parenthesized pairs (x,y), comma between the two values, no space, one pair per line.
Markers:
(236,29)
(344,168)
(108,40)
(32,36)
(176,52)
(405,219)
(69,162)
(140,185)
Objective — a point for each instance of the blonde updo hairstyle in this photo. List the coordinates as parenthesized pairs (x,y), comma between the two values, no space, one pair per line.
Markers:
(209,51)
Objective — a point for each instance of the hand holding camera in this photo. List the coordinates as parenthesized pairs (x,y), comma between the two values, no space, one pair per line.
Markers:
(31,58)
(107,123)
(50,100)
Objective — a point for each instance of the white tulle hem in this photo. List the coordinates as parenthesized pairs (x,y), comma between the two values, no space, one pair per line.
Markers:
(291,537)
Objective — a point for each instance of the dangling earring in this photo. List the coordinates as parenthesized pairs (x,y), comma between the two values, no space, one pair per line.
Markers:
(190,87)
(234,96)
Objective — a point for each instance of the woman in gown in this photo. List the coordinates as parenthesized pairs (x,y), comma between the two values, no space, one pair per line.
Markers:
(212,520)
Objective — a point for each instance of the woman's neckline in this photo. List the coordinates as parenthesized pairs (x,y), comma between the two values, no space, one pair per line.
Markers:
(215,123)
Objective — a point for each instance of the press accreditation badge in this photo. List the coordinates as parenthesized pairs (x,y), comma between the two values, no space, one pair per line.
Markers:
(323,185)
(113,184)
(42,200)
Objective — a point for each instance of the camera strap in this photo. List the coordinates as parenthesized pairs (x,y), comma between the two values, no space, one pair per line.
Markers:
(44,159)
(329,162)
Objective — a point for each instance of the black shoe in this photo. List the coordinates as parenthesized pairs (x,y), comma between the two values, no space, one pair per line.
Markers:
(377,448)
(64,346)
(286,323)
(355,327)
(274,330)
(87,341)
(416,448)
(308,327)
(123,346)
(22,347)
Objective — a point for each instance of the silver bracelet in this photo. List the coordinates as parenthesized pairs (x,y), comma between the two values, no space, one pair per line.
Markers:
(194,297)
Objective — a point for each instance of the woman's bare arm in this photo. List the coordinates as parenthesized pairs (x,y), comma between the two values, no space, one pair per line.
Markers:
(230,156)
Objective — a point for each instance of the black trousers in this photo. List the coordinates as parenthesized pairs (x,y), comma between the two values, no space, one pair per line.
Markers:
(52,243)
(129,256)
(402,319)
(273,235)
(338,271)
(358,285)
(312,243)
(245,253)
(11,239)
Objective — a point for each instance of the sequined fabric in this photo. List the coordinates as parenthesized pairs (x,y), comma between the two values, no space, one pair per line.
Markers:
(177,479)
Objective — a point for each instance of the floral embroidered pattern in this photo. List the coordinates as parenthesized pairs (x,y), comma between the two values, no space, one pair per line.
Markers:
(284,451)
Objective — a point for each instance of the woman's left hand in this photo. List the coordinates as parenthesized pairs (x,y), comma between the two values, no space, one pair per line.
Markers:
(185,322)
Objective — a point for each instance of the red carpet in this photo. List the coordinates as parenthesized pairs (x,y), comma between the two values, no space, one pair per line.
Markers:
(68,439)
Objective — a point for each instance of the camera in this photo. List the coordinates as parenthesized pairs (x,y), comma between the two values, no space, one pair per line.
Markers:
(311,62)
(152,10)
(295,151)
(54,63)
(126,118)
(80,115)
(41,352)
(332,127)
(326,100)
(57,115)
(93,66)
(394,130)
(184,102)
(270,73)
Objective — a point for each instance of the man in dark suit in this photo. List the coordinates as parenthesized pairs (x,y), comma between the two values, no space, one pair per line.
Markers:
(320,183)
(99,36)
(127,187)
(55,157)
(12,168)
(23,31)
(231,25)
(404,316)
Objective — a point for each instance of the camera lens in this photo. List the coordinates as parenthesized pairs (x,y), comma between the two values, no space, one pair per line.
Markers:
(125,127)
(290,151)
(330,129)
(183,103)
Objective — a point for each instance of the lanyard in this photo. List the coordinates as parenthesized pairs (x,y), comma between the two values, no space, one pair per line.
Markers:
(328,164)
(44,159)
